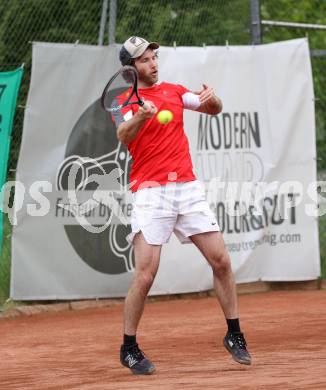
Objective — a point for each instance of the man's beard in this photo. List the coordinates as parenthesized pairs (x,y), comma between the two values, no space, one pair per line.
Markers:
(149,79)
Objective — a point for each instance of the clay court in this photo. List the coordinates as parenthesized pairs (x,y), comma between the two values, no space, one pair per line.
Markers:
(78,349)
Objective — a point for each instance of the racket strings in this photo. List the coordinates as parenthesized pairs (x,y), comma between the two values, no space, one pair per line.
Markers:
(119,90)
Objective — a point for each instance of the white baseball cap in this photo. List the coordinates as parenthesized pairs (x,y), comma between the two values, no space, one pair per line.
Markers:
(134,47)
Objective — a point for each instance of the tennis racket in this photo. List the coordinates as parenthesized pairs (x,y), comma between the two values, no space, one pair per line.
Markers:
(121,90)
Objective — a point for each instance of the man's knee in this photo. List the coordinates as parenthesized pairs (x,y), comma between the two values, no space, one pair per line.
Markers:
(144,280)
(221,264)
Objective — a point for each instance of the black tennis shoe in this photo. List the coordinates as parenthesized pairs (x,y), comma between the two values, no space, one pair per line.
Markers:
(133,358)
(236,344)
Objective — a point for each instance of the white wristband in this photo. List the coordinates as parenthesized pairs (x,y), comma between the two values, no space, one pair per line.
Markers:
(190,101)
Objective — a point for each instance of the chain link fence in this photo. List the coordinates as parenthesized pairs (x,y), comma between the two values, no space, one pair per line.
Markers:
(22,22)
(5,263)
(178,22)
(319,66)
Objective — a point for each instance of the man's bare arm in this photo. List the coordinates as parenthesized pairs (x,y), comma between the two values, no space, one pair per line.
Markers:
(128,130)
(209,102)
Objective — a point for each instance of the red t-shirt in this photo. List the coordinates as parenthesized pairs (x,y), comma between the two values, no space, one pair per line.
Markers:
(160,152)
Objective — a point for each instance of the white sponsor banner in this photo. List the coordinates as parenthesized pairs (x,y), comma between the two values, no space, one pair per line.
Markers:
(266,133)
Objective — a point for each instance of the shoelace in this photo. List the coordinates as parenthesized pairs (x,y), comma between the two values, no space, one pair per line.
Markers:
(136,352)
(239,340)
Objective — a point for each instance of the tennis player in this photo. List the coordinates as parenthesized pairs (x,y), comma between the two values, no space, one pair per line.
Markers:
(168,198)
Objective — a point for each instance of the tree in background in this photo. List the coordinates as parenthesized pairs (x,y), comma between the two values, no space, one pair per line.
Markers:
(188,23)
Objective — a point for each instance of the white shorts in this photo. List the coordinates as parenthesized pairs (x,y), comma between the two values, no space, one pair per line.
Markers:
(175,207)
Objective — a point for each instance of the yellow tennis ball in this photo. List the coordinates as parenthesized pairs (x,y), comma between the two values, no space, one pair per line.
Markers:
(164,117)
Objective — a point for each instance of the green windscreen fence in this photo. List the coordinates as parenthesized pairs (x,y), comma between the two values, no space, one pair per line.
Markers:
(9,86)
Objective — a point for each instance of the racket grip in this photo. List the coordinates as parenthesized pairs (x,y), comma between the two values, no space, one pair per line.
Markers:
(141,103)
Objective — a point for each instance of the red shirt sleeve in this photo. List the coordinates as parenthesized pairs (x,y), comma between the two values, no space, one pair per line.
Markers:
(181,89)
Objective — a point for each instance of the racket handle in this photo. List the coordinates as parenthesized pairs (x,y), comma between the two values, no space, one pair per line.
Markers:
(141,103)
